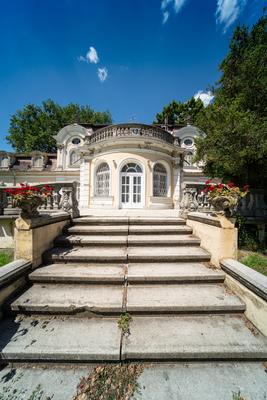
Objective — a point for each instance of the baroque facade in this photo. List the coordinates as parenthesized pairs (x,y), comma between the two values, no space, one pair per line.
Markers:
(118,166)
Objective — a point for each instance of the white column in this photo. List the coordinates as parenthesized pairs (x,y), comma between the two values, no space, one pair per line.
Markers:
(84,183)
(177,181)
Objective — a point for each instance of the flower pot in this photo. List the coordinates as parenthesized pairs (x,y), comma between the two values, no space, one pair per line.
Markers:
(29,207)
(224,204)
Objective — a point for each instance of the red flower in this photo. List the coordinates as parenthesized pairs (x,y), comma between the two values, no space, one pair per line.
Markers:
(231,184)
(221,186)
(208,181)
(211,188)
(246,188)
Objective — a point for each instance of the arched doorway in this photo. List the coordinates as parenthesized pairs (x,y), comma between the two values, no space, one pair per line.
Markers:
(131,186)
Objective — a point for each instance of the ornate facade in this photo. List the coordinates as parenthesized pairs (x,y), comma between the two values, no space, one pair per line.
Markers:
(118,166)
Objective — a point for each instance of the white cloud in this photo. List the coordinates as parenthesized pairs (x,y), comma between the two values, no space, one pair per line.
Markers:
(167,5)
(91,56)
(166,15)
(228,11)
(102,74)
(206,97)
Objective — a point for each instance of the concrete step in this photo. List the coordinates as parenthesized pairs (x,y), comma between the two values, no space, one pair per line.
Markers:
(194,337)
(86,255)
(182,298)
(163,240)
(163,229)
(135,273)
(172,273)
(71,299)
(167,253)
(68,339)
(79,273)
(159,338)
(129,220)
(98,230)
(123,240)
(91,240)
(131,229)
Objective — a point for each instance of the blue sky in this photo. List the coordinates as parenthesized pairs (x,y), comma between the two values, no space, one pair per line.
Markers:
(130,57)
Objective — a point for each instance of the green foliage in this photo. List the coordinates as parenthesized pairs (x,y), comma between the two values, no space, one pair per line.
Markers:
(5,258)
(33,127)
(110,382)
(237,396)
(257,262)
(180,113)
(234,145)
(124,322)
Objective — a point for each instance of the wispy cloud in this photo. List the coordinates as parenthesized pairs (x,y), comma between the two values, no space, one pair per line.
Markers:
(90,57)
(228,11)
(102,74)
(170,5)
(206,97)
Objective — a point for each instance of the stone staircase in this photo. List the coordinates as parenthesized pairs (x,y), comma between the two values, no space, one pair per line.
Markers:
(152,268)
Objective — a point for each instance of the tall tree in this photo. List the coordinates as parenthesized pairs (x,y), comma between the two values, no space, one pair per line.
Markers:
(180,113)
(235,141)
(33,127)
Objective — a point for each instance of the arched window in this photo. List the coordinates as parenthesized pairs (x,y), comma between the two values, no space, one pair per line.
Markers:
(131,167)
(4,162)
(102,180)
(159,181)
(189,158)
(38,161)
(74,159)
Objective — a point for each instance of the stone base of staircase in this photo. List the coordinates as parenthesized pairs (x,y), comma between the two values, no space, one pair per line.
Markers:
(152,268)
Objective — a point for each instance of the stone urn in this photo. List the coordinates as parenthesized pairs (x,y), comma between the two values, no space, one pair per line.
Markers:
(224,204)
(29,207)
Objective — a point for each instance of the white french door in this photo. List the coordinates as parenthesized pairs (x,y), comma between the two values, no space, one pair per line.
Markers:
(131,186)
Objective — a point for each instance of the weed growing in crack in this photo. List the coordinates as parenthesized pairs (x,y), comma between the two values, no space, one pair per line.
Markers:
(124,323)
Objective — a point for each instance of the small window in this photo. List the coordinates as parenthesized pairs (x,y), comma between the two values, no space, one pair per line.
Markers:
(76,141)
(102,180)
(38,161)
(4,162)
(74,159)
(188,142)
(159,181)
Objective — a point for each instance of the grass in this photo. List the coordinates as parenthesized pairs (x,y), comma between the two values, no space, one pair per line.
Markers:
(254,260)
(5,258)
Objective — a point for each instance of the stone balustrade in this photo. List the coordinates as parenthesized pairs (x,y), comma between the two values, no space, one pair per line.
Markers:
(132,130)
(65,197)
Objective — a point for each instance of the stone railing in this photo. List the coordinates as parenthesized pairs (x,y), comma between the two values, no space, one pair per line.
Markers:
(251,206)
(65,197)
(132,130)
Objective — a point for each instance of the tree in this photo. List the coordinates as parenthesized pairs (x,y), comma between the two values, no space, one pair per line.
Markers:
(234,145)
(33,127)
(180,113)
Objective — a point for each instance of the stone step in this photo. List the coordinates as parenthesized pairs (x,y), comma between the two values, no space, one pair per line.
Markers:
(131,229)
(62,339)
(167,253)
(98,230)
(134,240)
(158,338)
(182,298)
(71,299)
(108,299)
(163,240)
(193,337)
(163,229)
(172,273)
(79,273)
(86,255)
(135,273)
(91,240)
(129,220)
